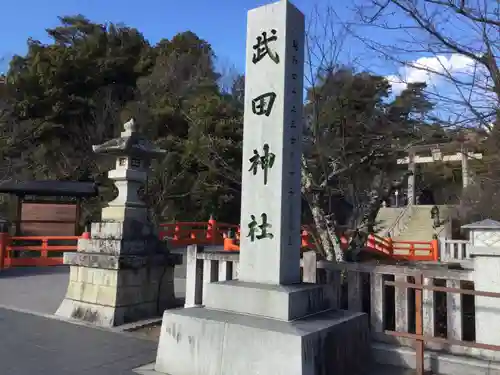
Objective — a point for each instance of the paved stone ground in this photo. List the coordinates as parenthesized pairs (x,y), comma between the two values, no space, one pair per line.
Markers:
(34,289)
(33,344)
(41,289)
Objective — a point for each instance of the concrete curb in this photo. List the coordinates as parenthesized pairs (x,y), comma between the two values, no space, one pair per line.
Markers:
(130,327)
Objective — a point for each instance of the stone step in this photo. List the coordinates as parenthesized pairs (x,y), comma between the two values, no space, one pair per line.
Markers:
(386,218)
(420,224)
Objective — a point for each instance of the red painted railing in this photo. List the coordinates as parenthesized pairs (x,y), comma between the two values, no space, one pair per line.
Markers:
(401,250)
(187,233)
(44,247)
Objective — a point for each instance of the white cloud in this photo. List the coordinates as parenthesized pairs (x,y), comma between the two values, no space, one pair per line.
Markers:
(453,100)
(431,70)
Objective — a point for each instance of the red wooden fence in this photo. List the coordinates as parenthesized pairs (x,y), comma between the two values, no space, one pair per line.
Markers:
(48,249)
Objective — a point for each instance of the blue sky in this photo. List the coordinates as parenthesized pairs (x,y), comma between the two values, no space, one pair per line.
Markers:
(221,22)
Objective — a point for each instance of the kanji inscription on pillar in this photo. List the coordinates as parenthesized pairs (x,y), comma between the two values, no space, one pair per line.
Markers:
(272,138)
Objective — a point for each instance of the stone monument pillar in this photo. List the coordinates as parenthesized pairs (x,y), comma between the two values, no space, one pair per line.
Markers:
(123,272)
(285,326)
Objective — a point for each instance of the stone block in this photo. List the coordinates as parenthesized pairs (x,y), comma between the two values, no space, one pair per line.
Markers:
(74,273)
(105,277)
(112,297)
(118,230)
(74,290)
(117,211)
(83,244)
(283,302)
(116,262)
(132,277)
(107,316)
(131,295)
(115,246)
(98,276)
(106,295)
(143,276)
(89,292)
(69,257)
(85,275)
(207,342)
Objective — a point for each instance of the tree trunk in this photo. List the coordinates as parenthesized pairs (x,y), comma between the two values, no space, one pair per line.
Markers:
(326,230)
(324,225)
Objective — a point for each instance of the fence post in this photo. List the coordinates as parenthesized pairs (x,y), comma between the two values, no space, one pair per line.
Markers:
(377,298)
(177,232)
(354,291)
(303,238)
(390,244)
(194,276)
(4,242)
(370,241)
(212,230)
(44,254)
(309,266)
(228,244)
(435,249)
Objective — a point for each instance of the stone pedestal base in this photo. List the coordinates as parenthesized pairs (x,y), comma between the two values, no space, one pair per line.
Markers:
(123,273)
(205,342)
(111,297)
(282,302)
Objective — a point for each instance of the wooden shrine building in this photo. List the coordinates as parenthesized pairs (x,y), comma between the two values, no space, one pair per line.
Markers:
(48,208)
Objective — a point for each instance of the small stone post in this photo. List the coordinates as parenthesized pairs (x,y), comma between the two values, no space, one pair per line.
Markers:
(485,251)
(123,272)
(465,167)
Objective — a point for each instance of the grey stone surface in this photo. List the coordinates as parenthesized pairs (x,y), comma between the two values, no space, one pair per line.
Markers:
(208,342)
(283,302)
(36,345)
(275,75)
(109,296)
(434,362)
(118,262)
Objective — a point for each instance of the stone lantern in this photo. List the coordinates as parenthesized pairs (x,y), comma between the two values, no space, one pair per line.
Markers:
(133,154)
(123,272)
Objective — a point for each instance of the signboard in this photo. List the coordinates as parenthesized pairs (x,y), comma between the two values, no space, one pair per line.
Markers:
(48,219)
